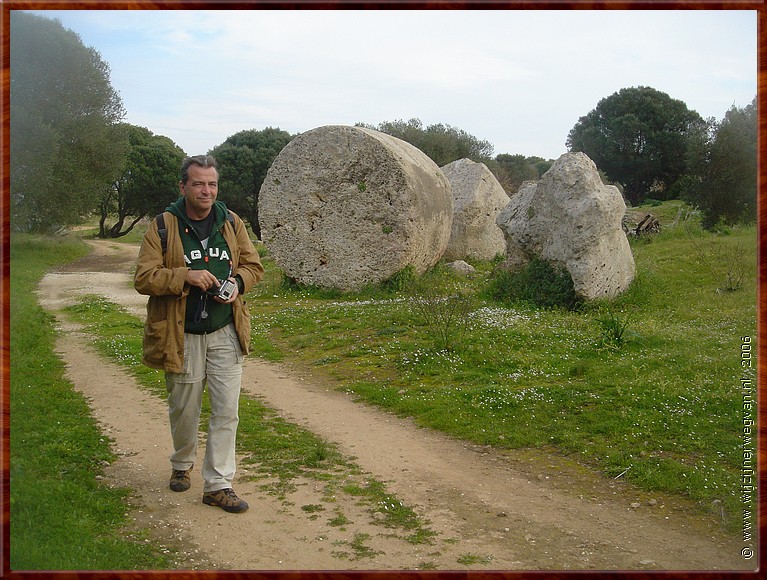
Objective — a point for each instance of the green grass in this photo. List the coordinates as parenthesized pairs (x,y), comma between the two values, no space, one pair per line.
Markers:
(357,550)
(474,559)
(62,517)
(646,385)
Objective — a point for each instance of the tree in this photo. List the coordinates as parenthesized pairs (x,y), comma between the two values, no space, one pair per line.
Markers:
(442,143)
(148,184)
(723,182)
(512,170)
(244,158)
(541,165)
(639,137)
(65,142)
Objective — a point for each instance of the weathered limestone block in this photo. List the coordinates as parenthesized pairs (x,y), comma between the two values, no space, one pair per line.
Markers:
(478,198)
(462,268)
(571,219)
(343,207)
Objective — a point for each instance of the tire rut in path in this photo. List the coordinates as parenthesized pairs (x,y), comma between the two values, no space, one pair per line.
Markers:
(511,512)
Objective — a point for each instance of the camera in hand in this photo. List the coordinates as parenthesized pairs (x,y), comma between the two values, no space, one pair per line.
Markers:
(224,291)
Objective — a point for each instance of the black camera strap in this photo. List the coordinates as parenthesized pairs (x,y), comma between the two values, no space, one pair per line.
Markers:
(202,308)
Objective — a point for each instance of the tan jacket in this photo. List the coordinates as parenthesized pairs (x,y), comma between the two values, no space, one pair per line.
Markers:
(164,281)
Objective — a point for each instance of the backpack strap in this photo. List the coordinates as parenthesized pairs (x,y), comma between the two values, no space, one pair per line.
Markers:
(230,218)
(162,230)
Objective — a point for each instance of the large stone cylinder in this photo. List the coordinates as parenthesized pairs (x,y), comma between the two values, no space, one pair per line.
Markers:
(478,198)
(344,207)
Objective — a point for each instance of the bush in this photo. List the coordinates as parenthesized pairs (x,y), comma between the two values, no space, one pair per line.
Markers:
(614,329)
(539,283)
(402,281)
(446,317)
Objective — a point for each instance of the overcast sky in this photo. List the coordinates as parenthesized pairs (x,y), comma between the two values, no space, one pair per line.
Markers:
(518,79)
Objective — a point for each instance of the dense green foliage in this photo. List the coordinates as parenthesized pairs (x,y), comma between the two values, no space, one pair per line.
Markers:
(61,516)
(639,137)
(148,184)
(245,158)
(723,173)
(442,143)
(538,283)
(512,170)
(66,146)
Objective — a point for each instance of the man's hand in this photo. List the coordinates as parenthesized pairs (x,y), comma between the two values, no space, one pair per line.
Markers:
(201,278)
(205,281)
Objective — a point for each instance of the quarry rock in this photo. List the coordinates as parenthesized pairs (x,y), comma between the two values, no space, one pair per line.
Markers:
(344,207)
(478,198)
(571,219)
(461,267)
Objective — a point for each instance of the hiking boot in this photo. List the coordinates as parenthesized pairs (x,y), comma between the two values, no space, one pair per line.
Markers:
(179,479)
(226,499)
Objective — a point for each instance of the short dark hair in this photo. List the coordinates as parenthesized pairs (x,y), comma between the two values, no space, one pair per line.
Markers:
(201,160)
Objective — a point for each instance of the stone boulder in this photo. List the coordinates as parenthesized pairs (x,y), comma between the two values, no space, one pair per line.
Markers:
(571,219)
(478,198)
(462,268)
(344,207)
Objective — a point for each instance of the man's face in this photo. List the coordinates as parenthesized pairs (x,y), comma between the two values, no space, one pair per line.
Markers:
(200,191)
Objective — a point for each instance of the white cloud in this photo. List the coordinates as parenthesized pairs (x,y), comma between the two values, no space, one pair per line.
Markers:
(519,79)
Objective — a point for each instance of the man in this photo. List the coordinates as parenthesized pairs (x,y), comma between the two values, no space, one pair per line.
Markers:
(193,333)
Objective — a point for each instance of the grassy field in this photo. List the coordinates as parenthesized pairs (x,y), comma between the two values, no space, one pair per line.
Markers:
(646,388)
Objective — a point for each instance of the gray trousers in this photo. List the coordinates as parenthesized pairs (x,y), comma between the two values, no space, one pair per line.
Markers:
(214,359)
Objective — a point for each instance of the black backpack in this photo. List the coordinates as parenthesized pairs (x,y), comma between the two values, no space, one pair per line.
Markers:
(163,231)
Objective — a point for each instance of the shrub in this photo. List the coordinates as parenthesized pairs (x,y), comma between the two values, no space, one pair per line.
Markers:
(403,280)
(538,283)
(446,317)
(614,329)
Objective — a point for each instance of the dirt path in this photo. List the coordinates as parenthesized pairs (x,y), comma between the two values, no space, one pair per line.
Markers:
(490,510)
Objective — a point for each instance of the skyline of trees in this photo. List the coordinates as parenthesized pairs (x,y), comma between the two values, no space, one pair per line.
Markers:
(71,154)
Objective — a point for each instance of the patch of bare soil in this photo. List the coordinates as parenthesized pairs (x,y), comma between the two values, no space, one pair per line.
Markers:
(491,510)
